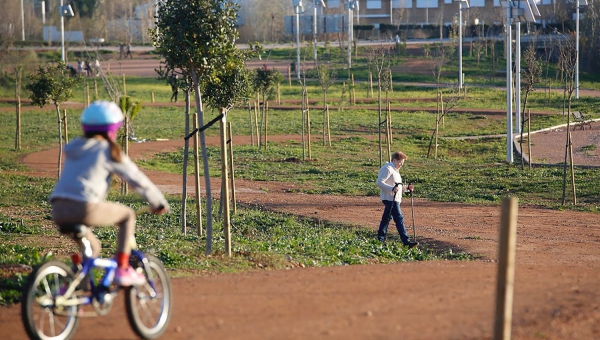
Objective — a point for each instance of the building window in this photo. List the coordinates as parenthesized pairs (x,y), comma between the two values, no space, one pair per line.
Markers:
(373,4)
(401,3)
(477,3)
(333,3)
(427,4)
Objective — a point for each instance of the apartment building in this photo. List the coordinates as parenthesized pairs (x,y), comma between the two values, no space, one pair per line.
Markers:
(436,12)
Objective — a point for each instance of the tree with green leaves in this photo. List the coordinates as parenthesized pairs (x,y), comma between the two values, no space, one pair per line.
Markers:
(198,37)
(52,84)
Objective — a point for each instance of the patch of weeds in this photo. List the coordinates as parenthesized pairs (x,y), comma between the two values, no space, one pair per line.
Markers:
(472,238)
(14,226)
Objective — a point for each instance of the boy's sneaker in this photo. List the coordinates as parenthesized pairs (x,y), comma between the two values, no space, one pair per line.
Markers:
(411,245)
(128,277)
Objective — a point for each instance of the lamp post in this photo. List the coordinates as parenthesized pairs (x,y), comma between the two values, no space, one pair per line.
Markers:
(350,5)
(316,4)
(65,11)
(579,4)
(462,4)
(22,22)
(517,11)
(298,8)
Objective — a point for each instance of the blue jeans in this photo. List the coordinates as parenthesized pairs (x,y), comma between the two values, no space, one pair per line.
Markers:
(396,215)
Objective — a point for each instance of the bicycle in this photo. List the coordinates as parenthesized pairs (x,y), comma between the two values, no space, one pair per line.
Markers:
(55,293)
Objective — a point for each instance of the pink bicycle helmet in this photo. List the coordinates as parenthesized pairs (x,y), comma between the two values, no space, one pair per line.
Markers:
(101,116)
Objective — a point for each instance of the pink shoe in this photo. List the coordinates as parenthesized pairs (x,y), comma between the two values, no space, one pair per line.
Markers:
(128,277)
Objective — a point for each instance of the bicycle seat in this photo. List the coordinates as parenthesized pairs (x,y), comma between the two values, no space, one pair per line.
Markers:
(77,229)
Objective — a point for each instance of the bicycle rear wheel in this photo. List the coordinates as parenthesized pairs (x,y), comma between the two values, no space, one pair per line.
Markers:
(149,306)
(42,317)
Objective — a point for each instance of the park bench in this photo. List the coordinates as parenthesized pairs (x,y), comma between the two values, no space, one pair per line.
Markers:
(579,119)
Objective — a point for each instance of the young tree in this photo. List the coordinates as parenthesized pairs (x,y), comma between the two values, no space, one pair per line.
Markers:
(229,87)
(53,84)
(264,82)
(567,58)
(380,60)
(530,76)
(198,37)
(327,78)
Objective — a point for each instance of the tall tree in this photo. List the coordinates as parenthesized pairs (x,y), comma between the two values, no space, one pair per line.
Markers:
(198,37)
(52,84)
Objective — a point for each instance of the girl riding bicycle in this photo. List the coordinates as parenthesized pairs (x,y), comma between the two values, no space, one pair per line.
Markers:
(79,195)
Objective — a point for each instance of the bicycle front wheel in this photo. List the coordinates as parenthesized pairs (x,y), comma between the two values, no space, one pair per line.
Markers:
(43,318)
(149,306)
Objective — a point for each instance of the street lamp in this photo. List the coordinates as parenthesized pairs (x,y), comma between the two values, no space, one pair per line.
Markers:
(65,11)
(518,11)
(298,8)
(350,5)
(317,3)
(462,4)
(580,3)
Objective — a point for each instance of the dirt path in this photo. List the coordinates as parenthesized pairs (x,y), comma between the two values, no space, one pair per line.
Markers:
(556,288)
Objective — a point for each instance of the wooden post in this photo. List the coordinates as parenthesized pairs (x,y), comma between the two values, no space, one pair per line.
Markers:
(18,109)
(87,92)
(529,136)
(124,186)
(389,130)
(251,123)
(266,123)
(289,72)
(506,269)
(124,85)
(278,95)
(328,130)
(65,126)
(152,96)
(200,230)
(353,91)
(224,181)
(256,109)
(308,127)
(231,167)
(370,94)
(95,89)
(391,82)
(572,169)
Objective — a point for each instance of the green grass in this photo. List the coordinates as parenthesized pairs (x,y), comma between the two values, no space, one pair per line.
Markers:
(467,171)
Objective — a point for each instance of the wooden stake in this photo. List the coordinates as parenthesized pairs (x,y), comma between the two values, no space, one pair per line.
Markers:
(231,167)
(224,181)
(200,228)
(529,136)
(65,126)
(152,96)
(124,85)
(572,169)
(506,269)
(328,130)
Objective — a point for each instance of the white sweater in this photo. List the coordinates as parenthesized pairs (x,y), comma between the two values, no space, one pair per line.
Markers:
(386,179)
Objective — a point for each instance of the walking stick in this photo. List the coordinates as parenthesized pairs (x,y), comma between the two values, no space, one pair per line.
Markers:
(412,207)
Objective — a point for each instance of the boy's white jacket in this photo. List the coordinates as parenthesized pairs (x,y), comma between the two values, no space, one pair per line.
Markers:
(87,172)
(386,179)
